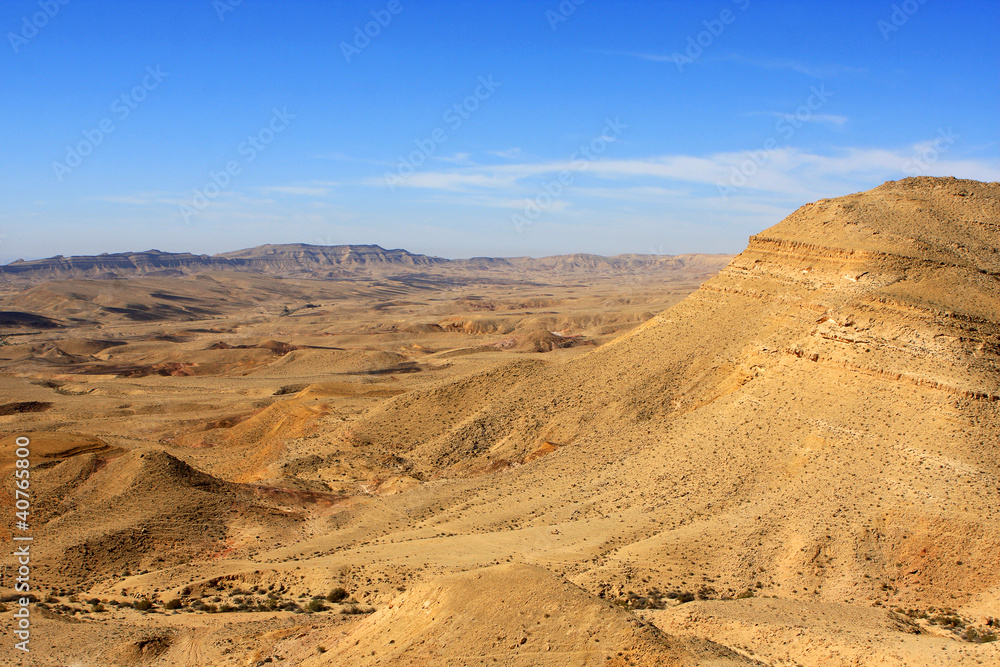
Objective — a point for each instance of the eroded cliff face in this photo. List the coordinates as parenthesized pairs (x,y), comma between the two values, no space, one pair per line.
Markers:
(902,283)
(842,377)
(822,417)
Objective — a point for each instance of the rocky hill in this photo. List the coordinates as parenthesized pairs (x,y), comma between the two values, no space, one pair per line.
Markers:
(343,261)
(819,421)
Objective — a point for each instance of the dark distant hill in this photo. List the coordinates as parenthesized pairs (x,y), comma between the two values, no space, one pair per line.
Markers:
(301,260)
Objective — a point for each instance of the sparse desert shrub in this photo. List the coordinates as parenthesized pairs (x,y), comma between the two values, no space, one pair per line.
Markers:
(337,594)
(356,609)
(685,597)
(98,608)
(315,605)
(978,636)
(321,649)
(210,608)
(143,604)
(173,604)
(706,593)
(948,621)
(654,600)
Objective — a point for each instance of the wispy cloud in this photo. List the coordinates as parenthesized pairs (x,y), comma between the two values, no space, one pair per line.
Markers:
(784,172)
(651,57)
(818,71)
(809,69)
(455,158)
(641,193)
(825,118)
(490,201)
(509,154)
(144,198)
(344,157)
(312,189)
(456,181)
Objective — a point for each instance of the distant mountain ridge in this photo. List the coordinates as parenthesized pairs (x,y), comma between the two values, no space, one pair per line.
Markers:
(302,260)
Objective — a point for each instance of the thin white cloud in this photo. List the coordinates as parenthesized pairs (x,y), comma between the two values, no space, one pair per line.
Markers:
(144,198)
(509,154)
(451,180)
(795,119)
(488,201)
(344,157)
(784,172)
(314,189)
(651,57)
(809,69)
(643,193)
(455,158)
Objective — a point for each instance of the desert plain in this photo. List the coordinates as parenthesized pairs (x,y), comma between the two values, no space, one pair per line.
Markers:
(345,455)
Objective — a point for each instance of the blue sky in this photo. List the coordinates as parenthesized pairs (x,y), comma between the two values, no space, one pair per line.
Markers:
(474,128)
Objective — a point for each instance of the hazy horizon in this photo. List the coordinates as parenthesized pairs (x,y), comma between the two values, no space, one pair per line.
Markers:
(26,259)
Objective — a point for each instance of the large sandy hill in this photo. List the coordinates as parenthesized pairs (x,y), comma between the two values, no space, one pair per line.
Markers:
(821,417)
(508,615)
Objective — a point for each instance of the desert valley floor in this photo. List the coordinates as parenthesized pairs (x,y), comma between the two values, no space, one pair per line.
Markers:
(294,455)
